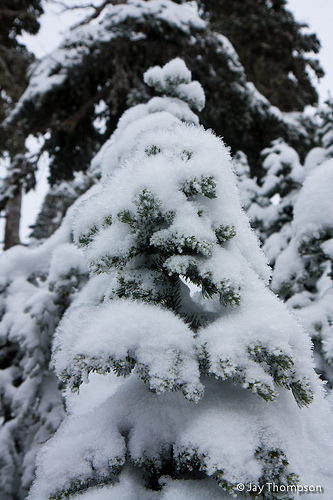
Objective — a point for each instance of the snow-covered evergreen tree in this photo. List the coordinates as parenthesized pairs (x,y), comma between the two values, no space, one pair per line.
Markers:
(36,285)
(271,209)
(303,272)
(323,137)
(247,184)
(206,381)
(325,132)
(16,17)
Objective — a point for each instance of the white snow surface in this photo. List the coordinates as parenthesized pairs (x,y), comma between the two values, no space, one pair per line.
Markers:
(174,72)
(313,210)
(155,338)
(174,79)
(153,421)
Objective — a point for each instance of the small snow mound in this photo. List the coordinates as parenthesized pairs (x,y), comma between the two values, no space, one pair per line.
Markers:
(174,79)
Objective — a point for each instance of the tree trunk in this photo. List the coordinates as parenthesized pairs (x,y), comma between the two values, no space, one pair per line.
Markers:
(13,215)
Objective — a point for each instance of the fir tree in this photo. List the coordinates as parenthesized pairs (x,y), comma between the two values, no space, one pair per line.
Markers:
(101,62)
(322,137)
(326,129)
(273,47)
(274,196)
(303,272)
(189,415)
(15,17)
(303,269)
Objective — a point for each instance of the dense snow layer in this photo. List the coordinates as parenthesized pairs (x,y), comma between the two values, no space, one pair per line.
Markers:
(313,211)
(153,421)
(159,343)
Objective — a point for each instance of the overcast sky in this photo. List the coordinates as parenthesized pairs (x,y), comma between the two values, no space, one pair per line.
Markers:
(318,14)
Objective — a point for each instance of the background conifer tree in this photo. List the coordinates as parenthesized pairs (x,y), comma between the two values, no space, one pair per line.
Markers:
(188,416)
(325,128)
(273,199)
(303,272)
(296,243)
(80,84)
(269,41)
(15,17)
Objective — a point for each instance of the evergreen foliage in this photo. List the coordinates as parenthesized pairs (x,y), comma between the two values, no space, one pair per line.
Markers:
(273,48)
(325,130)
(188,415)
(14,58)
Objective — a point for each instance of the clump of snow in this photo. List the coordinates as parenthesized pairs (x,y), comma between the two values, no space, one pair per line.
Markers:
(313,210)
(157,342)
(175,79)
(172,74)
